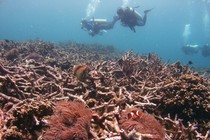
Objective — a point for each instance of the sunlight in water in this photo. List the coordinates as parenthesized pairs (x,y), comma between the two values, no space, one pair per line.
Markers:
(93,4)
(206,22)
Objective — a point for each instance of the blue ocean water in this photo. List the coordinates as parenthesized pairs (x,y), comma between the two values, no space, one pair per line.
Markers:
(170,25)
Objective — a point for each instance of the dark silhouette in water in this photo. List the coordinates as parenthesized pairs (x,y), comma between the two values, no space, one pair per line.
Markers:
(96,26)
(206,50)
(131,18)
(190,62)
(190,49)
(127,16)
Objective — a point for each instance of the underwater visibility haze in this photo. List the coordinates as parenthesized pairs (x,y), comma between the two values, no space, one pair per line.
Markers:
(170,25)
(93,70)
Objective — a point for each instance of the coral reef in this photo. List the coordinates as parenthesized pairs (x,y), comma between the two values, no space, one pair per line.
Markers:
(42,75)
(24,119)
(11,54)
(189,100)
(70,121)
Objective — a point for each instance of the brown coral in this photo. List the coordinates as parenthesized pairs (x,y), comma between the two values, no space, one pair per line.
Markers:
(1,122)
(188,98)
(71,121)
(81,71)
(11,54)
(22,121)
(13,134)
(145,124)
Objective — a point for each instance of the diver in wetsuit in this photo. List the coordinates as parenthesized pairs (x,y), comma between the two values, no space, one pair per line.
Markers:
(131,18)
(97,26)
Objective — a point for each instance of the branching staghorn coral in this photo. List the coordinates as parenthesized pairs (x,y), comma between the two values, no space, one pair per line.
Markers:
(138,81)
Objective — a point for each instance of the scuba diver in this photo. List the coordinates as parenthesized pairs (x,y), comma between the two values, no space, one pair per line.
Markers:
(131,18)
(206,50)
(97,26)
(191,49)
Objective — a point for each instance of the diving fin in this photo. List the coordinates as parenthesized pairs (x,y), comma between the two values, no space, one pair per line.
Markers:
(147,11)
(132,28)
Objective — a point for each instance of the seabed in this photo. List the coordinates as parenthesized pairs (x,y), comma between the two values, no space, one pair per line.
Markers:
(90,91)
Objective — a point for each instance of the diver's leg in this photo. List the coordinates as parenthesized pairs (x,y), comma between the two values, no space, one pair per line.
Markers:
(145,17)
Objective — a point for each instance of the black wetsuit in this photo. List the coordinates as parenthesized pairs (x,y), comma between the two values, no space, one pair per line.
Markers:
(129,17)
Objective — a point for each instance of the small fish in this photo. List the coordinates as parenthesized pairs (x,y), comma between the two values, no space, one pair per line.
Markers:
(134,114)
(190,62)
